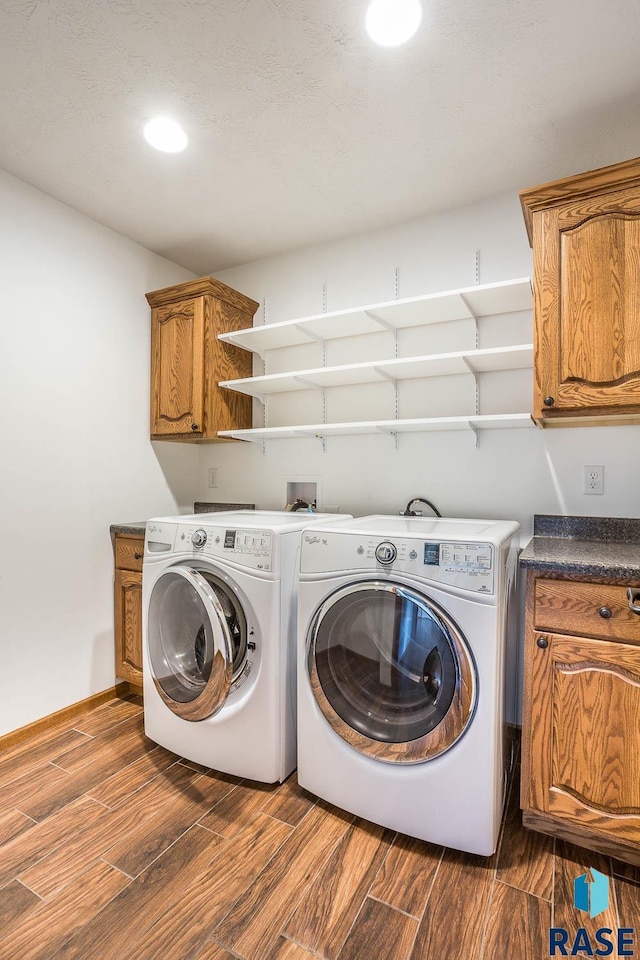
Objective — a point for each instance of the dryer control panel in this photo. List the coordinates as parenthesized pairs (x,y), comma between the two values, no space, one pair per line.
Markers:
(469,565)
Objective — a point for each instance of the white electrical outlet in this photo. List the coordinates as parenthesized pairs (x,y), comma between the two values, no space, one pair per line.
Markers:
(593,480)
(213,477)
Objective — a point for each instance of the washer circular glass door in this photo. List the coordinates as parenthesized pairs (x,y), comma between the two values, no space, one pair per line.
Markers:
(196,641)
(391,672)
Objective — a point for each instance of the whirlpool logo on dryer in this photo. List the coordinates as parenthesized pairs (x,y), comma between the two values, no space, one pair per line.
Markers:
(308,538)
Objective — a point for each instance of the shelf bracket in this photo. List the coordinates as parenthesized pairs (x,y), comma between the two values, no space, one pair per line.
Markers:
(309,434)
(309,384)
(386,376)
(472,370)
(241,436)
(265,319)
(264,396)
(389,433)
(469,307)
(309,333)
(322,391)
(475,432)
(379,320)
(474,373)
(474,315)
(239,342)
(394,381)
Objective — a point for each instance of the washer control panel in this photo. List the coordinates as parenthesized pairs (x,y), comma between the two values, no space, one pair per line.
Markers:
(246,547)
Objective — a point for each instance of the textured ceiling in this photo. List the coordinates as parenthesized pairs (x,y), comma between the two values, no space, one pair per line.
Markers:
(300,128)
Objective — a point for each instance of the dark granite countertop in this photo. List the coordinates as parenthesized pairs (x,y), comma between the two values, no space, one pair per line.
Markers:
(137,528)
(134,529)
(592,546)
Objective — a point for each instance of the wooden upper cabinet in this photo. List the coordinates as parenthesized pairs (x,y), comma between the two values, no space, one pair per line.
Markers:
(188,360)
(585,234)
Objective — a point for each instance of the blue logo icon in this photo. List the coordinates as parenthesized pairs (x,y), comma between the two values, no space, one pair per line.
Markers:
(591,895)
(591,892)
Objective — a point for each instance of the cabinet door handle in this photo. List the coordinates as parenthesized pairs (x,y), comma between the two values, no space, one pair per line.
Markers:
(605,613)
(542,642)
(549,401)
(633,596)
(137,556)
(194,426)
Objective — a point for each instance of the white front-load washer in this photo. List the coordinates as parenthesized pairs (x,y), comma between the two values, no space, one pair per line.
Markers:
(401,661)
(218,627)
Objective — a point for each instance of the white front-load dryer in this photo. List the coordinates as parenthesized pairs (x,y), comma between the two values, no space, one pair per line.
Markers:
(218,626)
(401,661)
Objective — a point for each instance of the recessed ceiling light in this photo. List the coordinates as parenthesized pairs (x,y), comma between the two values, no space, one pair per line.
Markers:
(392,22)
(165,135)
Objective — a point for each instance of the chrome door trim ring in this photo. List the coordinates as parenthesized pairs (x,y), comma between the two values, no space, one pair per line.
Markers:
(217,688)
(461,713)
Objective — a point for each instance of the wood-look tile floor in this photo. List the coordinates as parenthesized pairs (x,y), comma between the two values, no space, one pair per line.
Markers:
(112,848)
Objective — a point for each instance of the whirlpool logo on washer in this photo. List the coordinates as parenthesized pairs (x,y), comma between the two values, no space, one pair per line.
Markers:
(308,538)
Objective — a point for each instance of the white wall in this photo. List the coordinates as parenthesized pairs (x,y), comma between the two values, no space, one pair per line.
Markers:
(74,381)
(76,455)
(513,474)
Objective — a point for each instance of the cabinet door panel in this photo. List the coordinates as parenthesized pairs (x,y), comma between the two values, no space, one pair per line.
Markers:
(587,278)
(177,343)
(128,625)
(594,718)
(600,301)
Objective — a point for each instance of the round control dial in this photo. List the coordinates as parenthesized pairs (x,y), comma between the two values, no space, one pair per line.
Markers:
(386,552)
(199,538)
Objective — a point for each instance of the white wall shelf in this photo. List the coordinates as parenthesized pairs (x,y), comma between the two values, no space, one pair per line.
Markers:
(466,303)
(378,371)
(321,431)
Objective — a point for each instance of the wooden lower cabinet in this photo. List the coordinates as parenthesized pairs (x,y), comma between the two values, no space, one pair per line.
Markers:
(581,718)
(128,608)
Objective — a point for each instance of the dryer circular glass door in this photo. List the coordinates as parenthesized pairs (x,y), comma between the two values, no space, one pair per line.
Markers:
(391,672)
(197,641)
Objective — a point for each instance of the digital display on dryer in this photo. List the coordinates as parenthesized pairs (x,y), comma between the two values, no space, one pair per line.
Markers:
(432,554)
(229,539)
